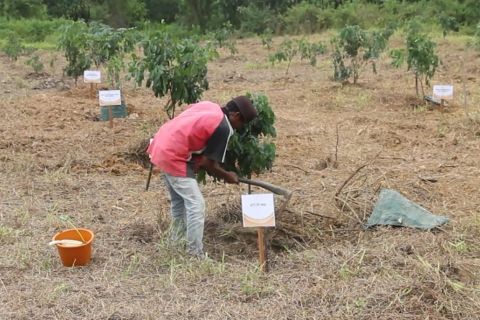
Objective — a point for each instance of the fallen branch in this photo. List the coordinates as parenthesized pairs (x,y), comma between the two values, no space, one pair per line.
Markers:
(348,179)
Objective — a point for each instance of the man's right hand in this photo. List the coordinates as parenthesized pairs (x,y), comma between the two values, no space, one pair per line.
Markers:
(231,177)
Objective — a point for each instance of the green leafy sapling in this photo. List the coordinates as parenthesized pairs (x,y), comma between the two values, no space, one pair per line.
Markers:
(13,47)
(289,49)
(420,55)
(354,48)
(174,68)
(223,38)
(266,38)
(73,41)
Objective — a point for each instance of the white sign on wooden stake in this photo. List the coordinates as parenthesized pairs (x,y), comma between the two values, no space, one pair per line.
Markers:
(92,76)
(444,92)
(109,98)
(258,210)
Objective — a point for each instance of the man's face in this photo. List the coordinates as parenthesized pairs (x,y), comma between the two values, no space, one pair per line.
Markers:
(236,120)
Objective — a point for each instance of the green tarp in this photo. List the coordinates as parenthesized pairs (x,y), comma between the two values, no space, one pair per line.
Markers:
(393,209)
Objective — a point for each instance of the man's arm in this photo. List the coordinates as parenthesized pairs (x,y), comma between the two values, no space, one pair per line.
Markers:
(216,170)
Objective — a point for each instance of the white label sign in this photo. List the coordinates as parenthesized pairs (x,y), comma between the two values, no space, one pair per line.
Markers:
(443,92)
(109,98)
(92,76)
(258,210)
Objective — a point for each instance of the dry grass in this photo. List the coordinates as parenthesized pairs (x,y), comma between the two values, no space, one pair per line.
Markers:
(56,162)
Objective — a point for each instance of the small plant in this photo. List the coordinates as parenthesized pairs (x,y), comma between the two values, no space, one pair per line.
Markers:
(177,68)
(286,52)
(223,38)
(310,51)
(14,47)
(476,41)
(266,38)
(289,49)
(420,55)
(35,63)
(354,48)
(115,65)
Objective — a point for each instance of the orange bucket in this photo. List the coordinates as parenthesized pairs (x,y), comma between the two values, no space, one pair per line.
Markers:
(78,255)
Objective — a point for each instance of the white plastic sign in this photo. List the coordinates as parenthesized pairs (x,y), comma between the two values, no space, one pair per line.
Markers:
(92,76)
(109,98)
(258,210)
(444,92)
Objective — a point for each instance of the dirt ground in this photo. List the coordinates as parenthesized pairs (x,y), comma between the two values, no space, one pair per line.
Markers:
(58,162)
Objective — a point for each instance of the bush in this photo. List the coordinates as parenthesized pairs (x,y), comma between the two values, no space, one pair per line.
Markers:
(32,30)
(304,18)
(256,20)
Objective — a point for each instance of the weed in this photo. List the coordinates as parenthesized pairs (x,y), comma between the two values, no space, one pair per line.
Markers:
(5,233)
(459,246)
(133,265)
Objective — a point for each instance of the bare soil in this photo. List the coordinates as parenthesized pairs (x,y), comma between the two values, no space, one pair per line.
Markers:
(57,161)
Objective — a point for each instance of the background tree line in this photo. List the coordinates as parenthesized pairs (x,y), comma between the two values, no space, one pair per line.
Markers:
(255,16)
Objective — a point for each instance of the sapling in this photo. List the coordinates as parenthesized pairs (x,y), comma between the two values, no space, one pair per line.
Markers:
(35,63)
(73,41)
(13,47)
(223,38)
(354,48)
(420,54)
(177,68)
(289,49)
(266,38)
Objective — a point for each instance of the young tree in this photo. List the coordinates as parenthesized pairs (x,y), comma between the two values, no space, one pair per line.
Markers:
(177,68)
(420,54)
(13,48)
(354,48)
(224,38)
(290,48)
(73,40)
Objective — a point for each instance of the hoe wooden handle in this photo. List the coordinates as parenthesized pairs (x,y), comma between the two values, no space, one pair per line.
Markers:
(273,188)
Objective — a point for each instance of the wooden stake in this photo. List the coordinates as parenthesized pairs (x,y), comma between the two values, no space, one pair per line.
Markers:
(149,176)
(262,250)
(110,116)
(91,91)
